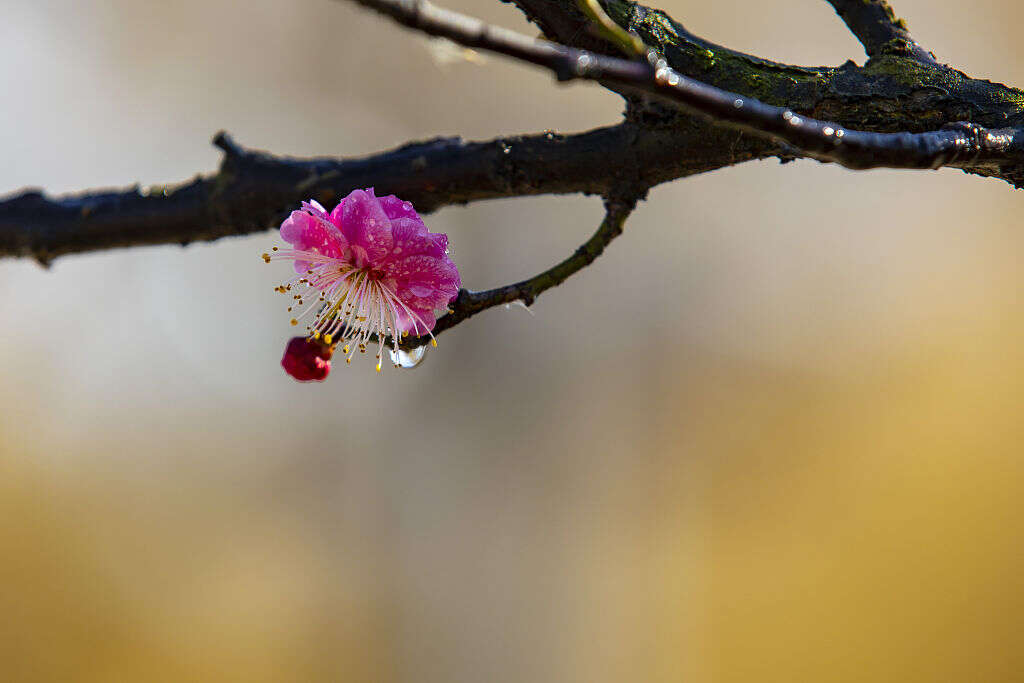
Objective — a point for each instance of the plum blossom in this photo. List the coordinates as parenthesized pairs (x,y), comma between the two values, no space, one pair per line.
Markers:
(369,267)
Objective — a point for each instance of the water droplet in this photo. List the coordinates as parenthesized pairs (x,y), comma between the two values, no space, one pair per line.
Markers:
(408,359)
(519,303)
(583,63)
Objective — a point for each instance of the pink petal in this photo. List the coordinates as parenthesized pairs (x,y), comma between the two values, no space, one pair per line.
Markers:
(415,326)
(425,281)
(366,227)
(397,208)
(410,240)
(307,233)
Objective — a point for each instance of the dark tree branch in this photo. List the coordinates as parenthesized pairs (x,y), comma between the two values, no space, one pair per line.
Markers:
(469,303)
(892,92)
(961,144)
(561,21)
(254,190)
(878,29)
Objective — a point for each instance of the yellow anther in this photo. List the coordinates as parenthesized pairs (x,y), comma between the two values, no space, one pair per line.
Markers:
(345,349)
(316,335)
(327,338)
(294,322)
(433,342)
(378,366)
(266,257)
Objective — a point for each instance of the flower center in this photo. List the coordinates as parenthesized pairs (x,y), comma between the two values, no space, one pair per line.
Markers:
(347,303)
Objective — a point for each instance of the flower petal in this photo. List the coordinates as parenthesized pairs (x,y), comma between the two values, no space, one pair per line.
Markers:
(422,323)
(409,240)
(425,281)
(308,233)
(397,208)
(366,227)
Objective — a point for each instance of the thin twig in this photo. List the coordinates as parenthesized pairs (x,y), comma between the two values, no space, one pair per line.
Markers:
(629,43)
(879,30)
(469,303)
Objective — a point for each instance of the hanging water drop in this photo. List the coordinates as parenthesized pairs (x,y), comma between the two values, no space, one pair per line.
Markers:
(408,359)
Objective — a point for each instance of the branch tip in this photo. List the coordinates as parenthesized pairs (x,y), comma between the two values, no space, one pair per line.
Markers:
(227,144)
(879,30)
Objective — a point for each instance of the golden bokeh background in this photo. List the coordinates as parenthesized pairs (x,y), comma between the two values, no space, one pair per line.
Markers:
(773,434)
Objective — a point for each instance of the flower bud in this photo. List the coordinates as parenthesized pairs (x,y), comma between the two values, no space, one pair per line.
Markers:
(307,359)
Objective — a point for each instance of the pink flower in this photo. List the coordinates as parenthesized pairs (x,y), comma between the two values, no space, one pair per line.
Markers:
(369,267)
(307,360)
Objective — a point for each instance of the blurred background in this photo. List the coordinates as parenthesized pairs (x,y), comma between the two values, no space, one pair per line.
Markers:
(798,458)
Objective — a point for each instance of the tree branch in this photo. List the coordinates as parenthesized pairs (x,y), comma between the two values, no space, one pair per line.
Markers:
(961,144)
(892,92)
(561,21)
(254,190)
(879,30)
